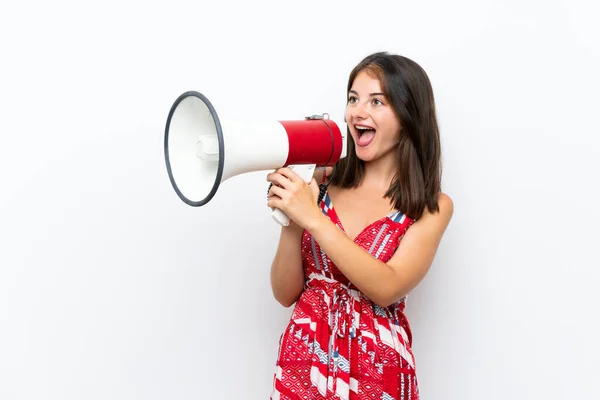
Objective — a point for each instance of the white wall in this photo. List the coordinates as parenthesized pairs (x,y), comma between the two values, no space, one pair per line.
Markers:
(112,288)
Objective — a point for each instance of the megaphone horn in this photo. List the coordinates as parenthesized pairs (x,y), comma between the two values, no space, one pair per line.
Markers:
(202,150)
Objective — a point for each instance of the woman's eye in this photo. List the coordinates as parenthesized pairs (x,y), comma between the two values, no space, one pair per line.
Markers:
(377,102)
(352,99)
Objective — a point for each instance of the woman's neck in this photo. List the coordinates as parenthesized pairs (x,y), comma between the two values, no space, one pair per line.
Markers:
(380,173)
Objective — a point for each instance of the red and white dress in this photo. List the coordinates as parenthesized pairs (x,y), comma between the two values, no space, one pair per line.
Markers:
(338,343)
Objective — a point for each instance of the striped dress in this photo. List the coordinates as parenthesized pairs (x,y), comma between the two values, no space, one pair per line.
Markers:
(338,343)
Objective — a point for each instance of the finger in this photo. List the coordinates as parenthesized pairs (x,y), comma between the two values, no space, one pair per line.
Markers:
(274,202)
(271,194)
(289,173)
(278,179)
(277,191)
(270,175)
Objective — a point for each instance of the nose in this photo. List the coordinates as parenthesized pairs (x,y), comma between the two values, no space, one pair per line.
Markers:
(359,111)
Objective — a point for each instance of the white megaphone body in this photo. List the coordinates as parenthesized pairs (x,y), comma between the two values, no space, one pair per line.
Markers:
(202,149)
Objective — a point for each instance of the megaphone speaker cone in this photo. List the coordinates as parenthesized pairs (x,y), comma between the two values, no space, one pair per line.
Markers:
(194,148)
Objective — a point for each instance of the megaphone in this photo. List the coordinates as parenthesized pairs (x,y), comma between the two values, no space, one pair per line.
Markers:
(202,149)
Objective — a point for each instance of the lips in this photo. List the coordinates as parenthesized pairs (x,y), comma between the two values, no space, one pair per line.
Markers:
(365,135)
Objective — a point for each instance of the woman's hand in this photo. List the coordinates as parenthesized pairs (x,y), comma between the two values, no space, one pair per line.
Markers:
(293,196)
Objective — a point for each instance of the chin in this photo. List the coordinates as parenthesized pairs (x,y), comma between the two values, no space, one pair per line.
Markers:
(364,154)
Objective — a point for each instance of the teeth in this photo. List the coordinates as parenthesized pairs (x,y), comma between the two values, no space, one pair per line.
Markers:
(362,128)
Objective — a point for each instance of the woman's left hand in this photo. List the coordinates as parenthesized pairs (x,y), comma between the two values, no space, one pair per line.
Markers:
(293,196)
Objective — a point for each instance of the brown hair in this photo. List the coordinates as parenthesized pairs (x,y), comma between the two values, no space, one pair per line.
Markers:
(417,181)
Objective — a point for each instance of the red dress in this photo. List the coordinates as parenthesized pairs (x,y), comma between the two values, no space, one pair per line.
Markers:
(338,343)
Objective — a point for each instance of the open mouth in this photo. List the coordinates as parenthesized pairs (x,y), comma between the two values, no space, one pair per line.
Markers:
(365,135)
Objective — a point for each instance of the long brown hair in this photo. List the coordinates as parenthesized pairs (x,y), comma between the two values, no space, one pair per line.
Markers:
(417,182)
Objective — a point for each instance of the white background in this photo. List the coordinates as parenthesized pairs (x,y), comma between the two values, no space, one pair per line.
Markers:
(112,288)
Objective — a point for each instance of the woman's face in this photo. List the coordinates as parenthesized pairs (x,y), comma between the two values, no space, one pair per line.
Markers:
(371,119)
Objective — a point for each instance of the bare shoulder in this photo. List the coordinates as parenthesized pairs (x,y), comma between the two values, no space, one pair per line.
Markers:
(446,206)
(426,233)
(438,220)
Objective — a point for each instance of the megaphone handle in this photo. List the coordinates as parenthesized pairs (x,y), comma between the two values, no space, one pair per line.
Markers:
(306,172)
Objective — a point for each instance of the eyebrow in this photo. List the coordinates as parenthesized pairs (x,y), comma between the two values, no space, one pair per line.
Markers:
(371,94)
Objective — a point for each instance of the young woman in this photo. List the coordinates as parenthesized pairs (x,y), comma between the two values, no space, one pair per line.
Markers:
(348,261)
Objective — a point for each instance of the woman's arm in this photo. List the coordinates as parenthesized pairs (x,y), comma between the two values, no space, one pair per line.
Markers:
(287,275)
(386,283)
(383,283)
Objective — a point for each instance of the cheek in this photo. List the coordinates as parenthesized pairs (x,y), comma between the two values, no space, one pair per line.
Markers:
(397,128)
(347,115)
(394,125)
(392,131)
